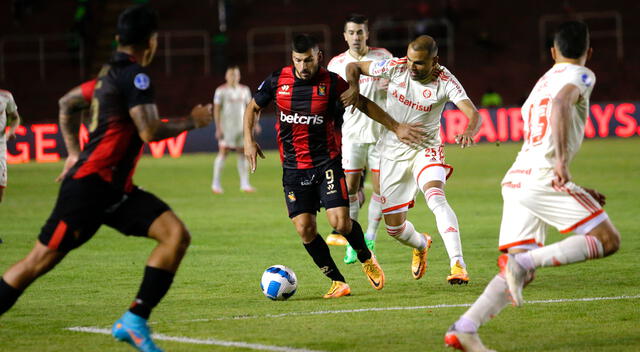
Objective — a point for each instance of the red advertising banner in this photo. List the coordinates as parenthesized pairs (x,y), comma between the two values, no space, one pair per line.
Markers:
(44,143)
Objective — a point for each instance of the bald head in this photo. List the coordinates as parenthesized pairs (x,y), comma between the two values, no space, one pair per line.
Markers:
(425,43)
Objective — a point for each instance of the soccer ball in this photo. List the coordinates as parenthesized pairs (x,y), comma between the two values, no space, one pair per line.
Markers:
(278,282)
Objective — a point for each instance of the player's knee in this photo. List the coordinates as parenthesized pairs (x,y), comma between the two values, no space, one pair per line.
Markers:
(610,241)
(435,198)
(608,235)
(179,237)
(307,231)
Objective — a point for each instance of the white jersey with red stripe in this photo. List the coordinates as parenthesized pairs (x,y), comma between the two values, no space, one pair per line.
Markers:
(234,101)
(410,101)
(358,127)
(538,150)
(7,105)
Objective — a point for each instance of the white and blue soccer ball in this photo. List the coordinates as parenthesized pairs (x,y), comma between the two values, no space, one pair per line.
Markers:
(278,282)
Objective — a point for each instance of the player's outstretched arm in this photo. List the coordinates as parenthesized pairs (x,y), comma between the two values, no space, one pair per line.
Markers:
(353,72)
(560,118)
(70,108)
(411,134)
(465,139)
(151,129)
(251,147)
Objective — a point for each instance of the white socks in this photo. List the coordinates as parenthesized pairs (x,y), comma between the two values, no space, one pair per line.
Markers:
(375,215)
(354,206)
(447,223)
(243,172)
(407,235)
(573,249)
(494,298)
(218,165)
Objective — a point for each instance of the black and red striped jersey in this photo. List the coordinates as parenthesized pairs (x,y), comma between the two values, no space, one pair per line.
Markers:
(114,145)
(308,113)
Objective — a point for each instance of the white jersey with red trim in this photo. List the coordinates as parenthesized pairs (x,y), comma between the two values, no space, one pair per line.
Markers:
(234,101)
(358,127)
(7,105)
(538,151)
(410,101)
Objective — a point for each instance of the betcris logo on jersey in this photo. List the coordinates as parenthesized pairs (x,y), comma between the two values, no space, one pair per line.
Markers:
(302,119)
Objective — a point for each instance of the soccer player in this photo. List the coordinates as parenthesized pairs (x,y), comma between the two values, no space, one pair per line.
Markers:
(359,132)
(419,88)
(9,117)
(98,189)
(309,113)
(537,190)
(229,103)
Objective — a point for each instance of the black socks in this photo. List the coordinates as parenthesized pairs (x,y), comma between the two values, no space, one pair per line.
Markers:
(319,251)
(155,284)
(356,240)
(8,296)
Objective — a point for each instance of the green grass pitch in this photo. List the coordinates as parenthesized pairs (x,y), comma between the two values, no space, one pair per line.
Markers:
(216,293)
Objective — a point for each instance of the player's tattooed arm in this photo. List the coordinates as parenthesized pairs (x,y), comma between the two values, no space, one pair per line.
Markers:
(70,118)
(465,139)
(251,147)
(560,117)
(353,72)
(411,134)
(151,128)
(70,108)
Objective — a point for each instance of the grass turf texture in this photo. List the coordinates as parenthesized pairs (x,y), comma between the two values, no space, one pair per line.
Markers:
(237,235)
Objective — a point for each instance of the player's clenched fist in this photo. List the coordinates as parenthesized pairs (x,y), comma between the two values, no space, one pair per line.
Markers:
(202,115)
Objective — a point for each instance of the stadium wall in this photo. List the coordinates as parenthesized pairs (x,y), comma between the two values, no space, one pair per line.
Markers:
(44,143)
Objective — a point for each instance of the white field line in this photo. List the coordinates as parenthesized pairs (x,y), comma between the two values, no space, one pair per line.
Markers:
(161,337)
(260,347)
(380,309)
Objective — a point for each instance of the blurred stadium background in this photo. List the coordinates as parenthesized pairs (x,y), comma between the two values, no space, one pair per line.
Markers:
(47,47)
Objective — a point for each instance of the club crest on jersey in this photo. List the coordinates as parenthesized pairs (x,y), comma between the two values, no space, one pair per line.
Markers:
(141,81)
(291,196)
(427,93)
(322,89)
(284,90)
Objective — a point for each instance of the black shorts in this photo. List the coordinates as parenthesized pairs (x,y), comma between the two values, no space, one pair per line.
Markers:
(85,204)
(306,190)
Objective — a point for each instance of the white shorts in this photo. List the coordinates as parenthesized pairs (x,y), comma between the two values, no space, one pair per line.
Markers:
(232,140)
(3,172)
(400,180)
(529,207)
(357,156)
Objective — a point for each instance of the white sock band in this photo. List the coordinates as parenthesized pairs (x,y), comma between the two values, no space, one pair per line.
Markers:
(374,217)
(407,235)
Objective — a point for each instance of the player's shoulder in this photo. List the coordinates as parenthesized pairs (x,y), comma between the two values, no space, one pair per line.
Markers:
(5,94)
(338,59)
(380,53)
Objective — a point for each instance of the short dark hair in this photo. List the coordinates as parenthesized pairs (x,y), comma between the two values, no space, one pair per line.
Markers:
(303,42)
(136,24)
(425,43)
(572,38)
(357,19)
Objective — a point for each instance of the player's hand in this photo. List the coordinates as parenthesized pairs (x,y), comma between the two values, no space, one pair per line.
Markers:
(202,115)
(411,134)
(251,151)
(350,97)
(219,134)
(561,171)
(11,134)
(599,197)
(465,139)
(68,164)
